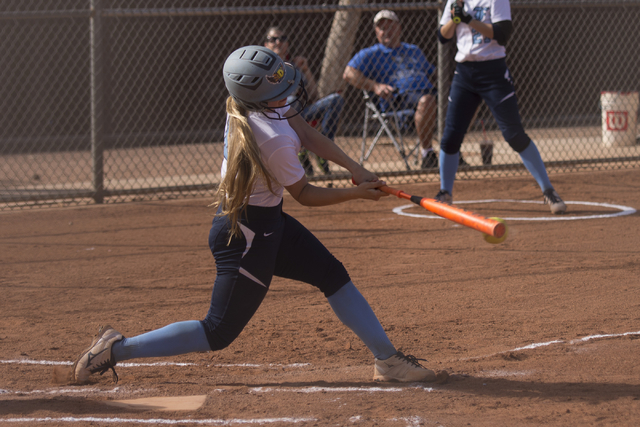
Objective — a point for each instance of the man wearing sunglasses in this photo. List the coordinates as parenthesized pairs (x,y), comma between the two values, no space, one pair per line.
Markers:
(325,111)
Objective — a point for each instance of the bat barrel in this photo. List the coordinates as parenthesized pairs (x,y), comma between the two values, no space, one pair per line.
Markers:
(468,219)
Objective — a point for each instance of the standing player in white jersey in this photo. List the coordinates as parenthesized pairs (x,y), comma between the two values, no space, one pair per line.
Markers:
(252,239)
(482,28)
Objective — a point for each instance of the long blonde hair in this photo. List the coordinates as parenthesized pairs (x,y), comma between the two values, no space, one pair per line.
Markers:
(244,167)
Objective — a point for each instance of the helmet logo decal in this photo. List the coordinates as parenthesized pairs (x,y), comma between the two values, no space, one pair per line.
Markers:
(276,77)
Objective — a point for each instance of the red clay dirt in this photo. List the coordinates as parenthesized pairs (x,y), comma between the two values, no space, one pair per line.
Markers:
(543,329)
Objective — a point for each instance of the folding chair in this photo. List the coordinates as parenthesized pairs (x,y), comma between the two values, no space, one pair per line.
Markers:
(392,123)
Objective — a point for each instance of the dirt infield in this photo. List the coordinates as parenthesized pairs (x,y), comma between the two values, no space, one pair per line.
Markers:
(543,329)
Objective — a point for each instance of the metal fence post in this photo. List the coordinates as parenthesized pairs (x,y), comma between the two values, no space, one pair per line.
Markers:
(444,75)
(441,81)
(97,101)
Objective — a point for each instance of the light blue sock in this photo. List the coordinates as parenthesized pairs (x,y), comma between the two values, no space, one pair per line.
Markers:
(174,339)
(354,311)
(534,164)
(448,169)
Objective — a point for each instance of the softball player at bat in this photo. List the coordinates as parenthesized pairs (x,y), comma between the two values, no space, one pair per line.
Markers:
(252,239)
(482,28)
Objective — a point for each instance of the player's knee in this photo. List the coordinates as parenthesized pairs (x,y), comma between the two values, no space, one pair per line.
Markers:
(217,337)
(336,277)
(451,141)
(519,142)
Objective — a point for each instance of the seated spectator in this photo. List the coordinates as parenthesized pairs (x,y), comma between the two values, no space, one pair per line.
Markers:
(398,73)
(325,111)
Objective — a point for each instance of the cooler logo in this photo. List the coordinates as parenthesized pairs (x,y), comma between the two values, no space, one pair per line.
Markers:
(617,120)
(277,77)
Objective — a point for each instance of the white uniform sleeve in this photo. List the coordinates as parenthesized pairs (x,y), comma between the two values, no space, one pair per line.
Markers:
(501,11)
(282,160)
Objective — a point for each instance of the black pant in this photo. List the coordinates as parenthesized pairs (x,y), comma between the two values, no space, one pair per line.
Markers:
(273,243)
(472,83)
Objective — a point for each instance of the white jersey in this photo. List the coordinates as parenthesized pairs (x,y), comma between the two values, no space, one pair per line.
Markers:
(279,146)
(473,46)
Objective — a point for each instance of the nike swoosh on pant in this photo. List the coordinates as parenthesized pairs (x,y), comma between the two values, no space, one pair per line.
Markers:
(506,97)
(251,276)
(248,236)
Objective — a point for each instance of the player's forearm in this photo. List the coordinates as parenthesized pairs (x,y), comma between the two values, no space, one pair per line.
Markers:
(318,143)
(319,196)
(448,30)
(327,149)
(484,29)
(309,195)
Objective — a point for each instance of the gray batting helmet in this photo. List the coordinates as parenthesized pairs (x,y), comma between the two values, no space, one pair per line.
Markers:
(255,75)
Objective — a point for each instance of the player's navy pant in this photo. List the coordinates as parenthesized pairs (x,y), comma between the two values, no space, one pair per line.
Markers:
(472,83)
(273,243)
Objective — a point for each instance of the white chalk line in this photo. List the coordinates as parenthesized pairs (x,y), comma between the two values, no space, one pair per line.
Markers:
(59,390)
(257,365)
(504,373)
(624,210)
(218,422)
(123,365)
(313,389)
(136,365)
(298,365)
(86,390)
(548,343)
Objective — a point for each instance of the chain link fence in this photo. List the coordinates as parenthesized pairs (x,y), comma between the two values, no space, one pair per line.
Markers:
(118,100)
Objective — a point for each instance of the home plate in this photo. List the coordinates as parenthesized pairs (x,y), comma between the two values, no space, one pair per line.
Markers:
(172,403)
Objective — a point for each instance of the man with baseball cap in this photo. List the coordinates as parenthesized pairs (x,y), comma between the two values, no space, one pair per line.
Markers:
(398,73)
(385,14)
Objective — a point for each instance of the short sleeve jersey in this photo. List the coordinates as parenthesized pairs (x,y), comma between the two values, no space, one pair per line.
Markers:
(405,67)
(279,146)
(473,46)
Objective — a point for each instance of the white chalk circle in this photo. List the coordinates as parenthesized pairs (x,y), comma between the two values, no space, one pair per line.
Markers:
(622,210)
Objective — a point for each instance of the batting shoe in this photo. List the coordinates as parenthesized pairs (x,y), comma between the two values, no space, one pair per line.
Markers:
(444,196)
(404,368)
(554,201)
(98,356)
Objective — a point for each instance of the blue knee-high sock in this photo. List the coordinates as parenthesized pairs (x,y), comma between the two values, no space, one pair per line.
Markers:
(174,339)
(448,169)
(354,311)
(534,164)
